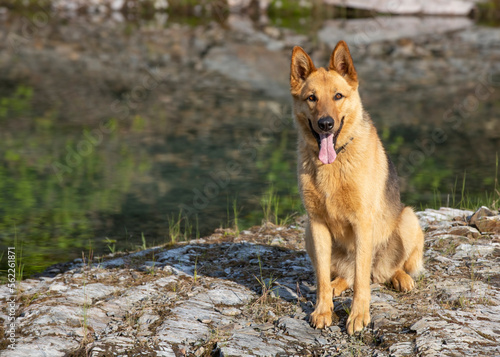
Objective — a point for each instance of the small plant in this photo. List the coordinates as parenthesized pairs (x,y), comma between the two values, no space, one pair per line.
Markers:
(19,259)
(270,203)
(464,200)
(85,307)
(174,228)
(496,188)
(489,12)
(235,214)
(195,275)
(29,299)
(152,270)
(463,302)
(346,308)
(265,284)
(472,273)
(111,244)
(270,206)
(462,196)
(197,228)
(144,245)
(176,225)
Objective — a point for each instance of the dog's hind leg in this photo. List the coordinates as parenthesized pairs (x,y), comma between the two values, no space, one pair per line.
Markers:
(413,264)
(339,285)
(413,241)
(402,281)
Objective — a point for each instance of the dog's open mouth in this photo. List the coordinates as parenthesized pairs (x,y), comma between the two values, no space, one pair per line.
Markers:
(326,144)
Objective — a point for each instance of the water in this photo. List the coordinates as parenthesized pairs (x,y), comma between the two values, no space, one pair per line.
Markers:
(111,128)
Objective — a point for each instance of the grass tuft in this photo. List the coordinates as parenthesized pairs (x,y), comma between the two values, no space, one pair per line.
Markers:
(179,228)
(462,199)
(265,284)
(270,203)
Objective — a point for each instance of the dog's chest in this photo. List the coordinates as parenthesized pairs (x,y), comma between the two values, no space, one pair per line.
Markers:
(328,196)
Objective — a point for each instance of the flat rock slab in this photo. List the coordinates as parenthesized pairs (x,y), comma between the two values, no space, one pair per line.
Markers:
(251,294)
(405,7)
(362,32)
(299,329)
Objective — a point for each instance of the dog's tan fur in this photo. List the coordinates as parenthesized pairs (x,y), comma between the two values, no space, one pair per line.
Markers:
(358,230)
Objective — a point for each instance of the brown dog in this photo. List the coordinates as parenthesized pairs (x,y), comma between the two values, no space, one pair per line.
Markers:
(358,229)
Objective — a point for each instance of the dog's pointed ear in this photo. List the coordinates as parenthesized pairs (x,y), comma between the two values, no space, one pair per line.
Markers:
(301,67)
(341,62)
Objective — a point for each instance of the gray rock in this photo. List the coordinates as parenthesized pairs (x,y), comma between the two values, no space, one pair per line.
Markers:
(299,329)
(480,213)
(321,341)
(58,287)
(362,32)
(334,329)
(284,292)
(475,250)
(230,311)
(248,343)
(489,225)
(219,294)
(88,293)
(465,231)
(421,325)
(402,349)
(262,68)
(454,306)
(442,215)
(404,7)
(49,346)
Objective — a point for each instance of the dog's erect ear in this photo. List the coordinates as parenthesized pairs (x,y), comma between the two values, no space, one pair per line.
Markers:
(302,66)
(341,62)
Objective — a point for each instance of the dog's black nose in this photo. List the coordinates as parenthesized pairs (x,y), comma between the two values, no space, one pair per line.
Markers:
(326,123)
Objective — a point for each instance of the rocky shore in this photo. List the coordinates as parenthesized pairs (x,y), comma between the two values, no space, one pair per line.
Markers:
(249,294)
(425,7)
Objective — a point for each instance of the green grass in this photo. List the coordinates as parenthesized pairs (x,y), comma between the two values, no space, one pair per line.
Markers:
(144,244)
(195,274)
(270,203)
(459,197)
(19,265)
(111,244)
(180,228)
(235,214)
(19,258)
(233,223)
(266,287)
(86,305)
(489,13)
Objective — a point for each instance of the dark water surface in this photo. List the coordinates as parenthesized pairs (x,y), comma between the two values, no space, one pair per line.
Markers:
(109,129)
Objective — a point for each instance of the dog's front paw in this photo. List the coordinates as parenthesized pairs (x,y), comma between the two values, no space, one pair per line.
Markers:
(322,316)
(359,316)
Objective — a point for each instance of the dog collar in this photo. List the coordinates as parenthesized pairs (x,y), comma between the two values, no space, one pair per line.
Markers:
(343,146)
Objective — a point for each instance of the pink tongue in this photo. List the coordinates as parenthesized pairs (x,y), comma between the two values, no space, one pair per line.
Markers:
(327,153)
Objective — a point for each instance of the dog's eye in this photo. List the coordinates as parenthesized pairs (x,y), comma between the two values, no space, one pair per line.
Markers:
(338,96)
(312,98)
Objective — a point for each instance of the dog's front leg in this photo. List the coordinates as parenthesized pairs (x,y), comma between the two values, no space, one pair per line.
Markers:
(360,308)
(319,248)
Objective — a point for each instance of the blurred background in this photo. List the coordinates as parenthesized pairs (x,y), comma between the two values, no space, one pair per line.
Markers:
(127,124)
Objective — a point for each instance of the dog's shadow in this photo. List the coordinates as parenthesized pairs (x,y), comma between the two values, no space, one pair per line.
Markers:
(277,275)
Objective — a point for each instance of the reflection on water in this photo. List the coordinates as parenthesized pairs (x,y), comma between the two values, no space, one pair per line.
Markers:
(110,129)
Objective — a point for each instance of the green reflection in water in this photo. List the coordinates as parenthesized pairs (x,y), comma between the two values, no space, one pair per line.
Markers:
(119,192)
